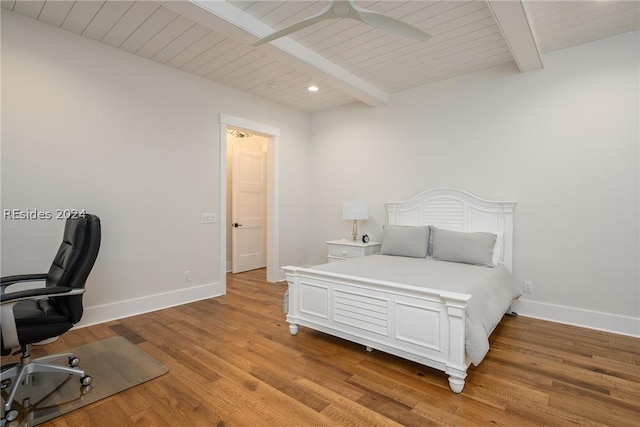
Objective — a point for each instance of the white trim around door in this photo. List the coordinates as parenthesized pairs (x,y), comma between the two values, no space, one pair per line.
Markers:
(273,225)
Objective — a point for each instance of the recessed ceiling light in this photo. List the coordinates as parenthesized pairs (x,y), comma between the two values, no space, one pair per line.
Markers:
(312,88)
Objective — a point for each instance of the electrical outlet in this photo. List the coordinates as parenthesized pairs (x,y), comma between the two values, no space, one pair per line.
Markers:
(528,286)
(299,258)
(187,276)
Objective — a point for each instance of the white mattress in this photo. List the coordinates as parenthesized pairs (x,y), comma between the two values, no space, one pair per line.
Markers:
(492,290)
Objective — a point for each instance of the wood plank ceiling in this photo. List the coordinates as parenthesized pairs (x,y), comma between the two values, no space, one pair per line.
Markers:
(348,60)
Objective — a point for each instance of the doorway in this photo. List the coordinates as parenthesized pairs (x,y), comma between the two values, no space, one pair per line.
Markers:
(271,134)
(246,201)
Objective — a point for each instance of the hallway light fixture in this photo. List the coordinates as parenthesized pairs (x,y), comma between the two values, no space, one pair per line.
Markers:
(238,133)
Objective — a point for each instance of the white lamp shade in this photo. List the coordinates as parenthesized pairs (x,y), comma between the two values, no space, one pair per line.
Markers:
(355,210)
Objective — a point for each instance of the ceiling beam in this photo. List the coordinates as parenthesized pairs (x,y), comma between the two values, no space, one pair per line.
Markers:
(231,22)
(516,27)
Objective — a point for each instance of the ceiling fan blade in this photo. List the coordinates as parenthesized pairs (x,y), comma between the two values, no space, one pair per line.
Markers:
(384,22)
(320,16)
(348,9)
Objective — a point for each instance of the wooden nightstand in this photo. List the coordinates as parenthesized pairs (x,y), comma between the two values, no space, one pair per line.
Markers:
(347,249)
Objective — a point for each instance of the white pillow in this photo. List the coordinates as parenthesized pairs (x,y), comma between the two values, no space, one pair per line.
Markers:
(405,240)
(468,248)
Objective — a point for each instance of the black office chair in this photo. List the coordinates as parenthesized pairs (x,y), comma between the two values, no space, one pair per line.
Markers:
(33,315)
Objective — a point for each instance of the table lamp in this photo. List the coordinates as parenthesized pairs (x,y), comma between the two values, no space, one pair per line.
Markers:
(354,210)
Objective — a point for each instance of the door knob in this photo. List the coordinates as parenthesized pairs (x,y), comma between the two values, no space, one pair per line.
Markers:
(236,225)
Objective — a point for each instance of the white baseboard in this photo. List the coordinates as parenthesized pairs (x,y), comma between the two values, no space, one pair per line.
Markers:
(280,276)
(121,309)
(607,322)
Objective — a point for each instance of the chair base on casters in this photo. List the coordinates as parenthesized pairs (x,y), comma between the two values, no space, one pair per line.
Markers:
(17,374)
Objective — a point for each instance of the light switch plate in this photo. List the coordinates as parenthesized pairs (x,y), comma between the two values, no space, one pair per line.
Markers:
(208,218)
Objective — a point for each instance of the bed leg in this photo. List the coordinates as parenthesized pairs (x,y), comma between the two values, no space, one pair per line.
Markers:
(369,349)
(456,384)
(293,329)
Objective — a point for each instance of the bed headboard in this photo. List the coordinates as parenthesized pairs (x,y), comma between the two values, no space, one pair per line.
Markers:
(458,210)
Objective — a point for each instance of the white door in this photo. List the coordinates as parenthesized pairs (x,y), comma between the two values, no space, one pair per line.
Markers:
(248,204)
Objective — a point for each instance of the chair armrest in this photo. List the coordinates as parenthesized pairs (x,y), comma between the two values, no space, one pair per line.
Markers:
(40,293)
(10,280)
(7,281)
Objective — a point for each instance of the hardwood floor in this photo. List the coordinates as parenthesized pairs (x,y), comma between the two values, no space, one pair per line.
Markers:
(233,362)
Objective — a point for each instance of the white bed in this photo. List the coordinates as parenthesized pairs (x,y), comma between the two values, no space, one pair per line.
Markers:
(415,307)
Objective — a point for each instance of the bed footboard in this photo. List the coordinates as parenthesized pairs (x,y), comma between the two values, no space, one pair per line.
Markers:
(423,325)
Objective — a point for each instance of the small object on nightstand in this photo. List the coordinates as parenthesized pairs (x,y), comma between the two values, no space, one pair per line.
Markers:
(365,238)
(347,249)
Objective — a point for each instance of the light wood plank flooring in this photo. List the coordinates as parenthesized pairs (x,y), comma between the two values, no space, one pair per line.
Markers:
(233,362)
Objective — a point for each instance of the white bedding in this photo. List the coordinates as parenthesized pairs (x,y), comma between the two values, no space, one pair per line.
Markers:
(492,290)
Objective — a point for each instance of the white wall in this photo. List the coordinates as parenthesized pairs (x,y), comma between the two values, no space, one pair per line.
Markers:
(562,141)
(90,127)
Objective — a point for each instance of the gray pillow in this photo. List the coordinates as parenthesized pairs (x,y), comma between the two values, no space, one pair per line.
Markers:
(404,240)
(468,248)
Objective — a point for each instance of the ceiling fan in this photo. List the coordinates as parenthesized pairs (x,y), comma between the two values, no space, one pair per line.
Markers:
(348,9)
